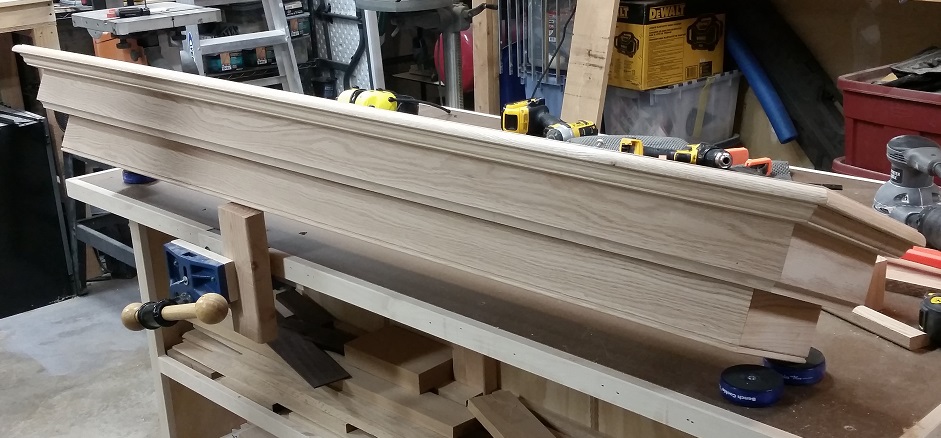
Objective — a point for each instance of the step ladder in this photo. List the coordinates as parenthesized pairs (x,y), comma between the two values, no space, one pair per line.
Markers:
(278,36)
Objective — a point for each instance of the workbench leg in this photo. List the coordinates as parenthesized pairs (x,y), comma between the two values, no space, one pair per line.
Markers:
(10,93)
(181,412)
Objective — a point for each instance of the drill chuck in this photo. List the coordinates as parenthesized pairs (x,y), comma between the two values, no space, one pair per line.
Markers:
(719,158)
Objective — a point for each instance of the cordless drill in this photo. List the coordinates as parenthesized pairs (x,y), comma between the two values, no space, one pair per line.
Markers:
(532,117)
(910,196)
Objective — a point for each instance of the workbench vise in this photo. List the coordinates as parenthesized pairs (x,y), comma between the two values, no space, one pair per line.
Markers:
(198,290)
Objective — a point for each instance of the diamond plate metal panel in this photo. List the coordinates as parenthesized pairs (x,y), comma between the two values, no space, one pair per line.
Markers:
(344,39)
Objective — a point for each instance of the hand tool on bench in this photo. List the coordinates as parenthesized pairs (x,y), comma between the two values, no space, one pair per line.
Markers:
(532,117)
(669,148)
(199,289)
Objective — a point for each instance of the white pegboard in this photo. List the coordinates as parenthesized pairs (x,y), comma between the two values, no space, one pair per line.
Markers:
(344,39)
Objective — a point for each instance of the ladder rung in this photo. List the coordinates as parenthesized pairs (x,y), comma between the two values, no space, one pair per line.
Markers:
(242,42)
(267,82)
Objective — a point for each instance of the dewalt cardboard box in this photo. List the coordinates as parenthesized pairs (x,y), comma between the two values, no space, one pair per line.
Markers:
(665,42)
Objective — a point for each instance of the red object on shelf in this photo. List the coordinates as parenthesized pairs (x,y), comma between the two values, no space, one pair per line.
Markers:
(876,113)
(925,256)
(840,166)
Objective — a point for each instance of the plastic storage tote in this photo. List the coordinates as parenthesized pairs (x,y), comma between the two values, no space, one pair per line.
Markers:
(876,113)
(698,111)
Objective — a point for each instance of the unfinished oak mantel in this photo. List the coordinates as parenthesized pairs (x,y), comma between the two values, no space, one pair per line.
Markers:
(733,260)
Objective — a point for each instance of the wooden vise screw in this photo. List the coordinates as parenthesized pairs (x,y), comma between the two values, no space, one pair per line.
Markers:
(209,308)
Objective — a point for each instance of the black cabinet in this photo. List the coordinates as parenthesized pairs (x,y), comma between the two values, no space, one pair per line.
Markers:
(34,256)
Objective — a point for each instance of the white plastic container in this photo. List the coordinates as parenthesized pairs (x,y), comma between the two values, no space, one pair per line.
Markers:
(700,111)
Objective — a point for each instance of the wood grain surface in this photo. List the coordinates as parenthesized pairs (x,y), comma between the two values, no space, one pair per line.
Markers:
(577,224)
(657,375)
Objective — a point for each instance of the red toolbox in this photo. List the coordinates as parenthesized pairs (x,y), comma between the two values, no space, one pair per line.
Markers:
(876,113)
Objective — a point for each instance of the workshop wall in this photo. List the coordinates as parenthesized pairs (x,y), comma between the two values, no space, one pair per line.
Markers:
(845,36)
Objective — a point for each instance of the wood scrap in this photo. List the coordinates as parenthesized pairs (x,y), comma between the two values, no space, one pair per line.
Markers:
(406,358)
(875,296)
(427,409)
(198,367)
(889,328)
(458,392)
(313,364)
(910,278)
(475,370)
(504,416)
(305,308)
(259,397)
(307,401)
(249,431)
(327,338)
(331,423)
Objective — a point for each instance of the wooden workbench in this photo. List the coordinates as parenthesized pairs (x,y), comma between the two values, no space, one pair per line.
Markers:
(35,17)
(873,388)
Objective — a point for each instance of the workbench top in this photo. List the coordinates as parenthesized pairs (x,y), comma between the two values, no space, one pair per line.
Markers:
(873,387)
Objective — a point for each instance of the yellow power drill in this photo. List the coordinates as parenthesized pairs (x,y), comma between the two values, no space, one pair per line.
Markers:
(532,117)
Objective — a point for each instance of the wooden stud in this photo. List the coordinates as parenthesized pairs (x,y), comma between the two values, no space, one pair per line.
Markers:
(476,370)
(245,241)
(589,60)
(410,360)
(889,328)
(875,296)
(486,60)
(504,416)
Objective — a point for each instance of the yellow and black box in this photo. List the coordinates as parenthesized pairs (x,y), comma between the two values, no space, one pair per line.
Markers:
(665,42)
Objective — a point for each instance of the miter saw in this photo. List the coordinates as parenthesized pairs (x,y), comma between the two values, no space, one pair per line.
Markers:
(447,16)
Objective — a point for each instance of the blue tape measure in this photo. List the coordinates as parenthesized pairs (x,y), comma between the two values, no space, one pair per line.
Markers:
(807,373)
(750,385)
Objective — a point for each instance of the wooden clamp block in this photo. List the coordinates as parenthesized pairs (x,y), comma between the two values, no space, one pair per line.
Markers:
(245,241)
(407,359)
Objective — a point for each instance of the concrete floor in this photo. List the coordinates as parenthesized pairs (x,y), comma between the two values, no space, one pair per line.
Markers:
(71,369)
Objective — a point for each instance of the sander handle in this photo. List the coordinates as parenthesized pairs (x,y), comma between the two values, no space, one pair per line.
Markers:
(925,160)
